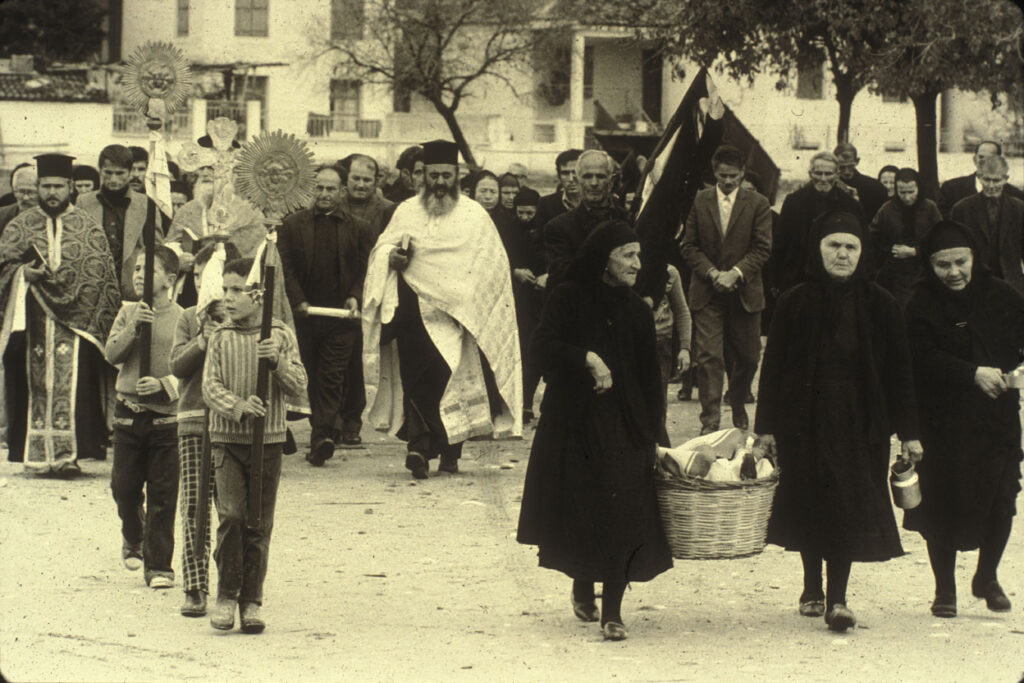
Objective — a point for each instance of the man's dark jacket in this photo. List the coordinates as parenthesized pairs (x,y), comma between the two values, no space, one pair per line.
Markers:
(955,189)
(564,235)
(295,242)
(1001,246)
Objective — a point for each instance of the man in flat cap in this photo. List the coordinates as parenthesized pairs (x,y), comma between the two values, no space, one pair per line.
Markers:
(123,213)
(441,353)
(58,298)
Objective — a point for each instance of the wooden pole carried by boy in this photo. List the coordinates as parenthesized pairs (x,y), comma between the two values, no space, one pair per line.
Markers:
(253,516)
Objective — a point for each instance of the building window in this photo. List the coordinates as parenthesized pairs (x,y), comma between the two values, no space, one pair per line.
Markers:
(588,71)
(251,17)
(344,104)
(347,19)
(183,17)
(810,81)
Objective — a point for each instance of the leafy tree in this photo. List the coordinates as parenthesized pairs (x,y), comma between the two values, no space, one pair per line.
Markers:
(441,48)
(972,45)
(752,37)
(52,30)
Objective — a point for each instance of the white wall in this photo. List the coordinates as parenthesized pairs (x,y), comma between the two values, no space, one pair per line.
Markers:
(30,128)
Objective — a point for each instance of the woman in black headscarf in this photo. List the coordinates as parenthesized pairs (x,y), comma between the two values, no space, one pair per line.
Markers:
(897,230)
(966,328)
(589,501)
(835,383)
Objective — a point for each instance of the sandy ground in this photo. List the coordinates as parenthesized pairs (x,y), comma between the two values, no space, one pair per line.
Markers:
(374,577)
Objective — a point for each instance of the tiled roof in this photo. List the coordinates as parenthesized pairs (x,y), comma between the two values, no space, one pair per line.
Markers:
(51,87)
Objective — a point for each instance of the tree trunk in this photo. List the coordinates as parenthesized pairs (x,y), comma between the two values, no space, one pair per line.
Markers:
(845,92)
(448,114)
(927,154)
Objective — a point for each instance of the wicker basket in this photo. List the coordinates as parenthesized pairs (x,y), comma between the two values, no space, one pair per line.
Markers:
(715,520)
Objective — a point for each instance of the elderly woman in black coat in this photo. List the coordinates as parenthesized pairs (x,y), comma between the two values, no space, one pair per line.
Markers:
(835,384)
(897,230)
(589,500)
(966,329)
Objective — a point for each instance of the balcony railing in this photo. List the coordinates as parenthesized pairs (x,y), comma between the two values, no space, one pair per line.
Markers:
(129,120)
(323,125)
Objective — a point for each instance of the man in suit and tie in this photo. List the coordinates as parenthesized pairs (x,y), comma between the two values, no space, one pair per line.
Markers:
(726,241)
(955,189)
(324,252)
(997,221)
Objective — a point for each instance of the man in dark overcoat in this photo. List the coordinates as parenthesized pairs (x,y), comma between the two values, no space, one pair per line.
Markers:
(324,252)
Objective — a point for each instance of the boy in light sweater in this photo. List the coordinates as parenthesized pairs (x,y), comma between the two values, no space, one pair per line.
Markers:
(187,358)
(229,389)
(145,425)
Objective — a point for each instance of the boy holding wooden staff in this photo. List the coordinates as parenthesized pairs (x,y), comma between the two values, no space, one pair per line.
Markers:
(230,391)
(145,422)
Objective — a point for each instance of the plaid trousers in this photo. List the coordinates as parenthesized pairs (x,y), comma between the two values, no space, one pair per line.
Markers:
(195,565)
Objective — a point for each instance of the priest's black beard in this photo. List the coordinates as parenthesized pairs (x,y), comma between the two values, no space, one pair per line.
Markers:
(57,210)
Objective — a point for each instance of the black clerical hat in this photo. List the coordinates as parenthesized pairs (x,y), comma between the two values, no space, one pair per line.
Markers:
(440,152)
(54,166)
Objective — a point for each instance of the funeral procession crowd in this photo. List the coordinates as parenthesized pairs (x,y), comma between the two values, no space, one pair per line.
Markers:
(432,301)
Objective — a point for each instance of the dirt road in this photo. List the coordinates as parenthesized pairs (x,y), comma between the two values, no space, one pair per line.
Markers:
(374,577)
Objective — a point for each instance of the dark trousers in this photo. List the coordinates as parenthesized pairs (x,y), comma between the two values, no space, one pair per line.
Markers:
(242,552)
(146,465)
(326,346)
(354,397)
(722,323)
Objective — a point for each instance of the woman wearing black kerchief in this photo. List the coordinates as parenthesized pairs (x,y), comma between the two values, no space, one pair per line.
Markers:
(966,328)
(897,230)
(836,382)
(589,501)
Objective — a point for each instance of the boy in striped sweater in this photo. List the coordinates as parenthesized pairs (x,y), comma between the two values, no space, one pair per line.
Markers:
(145,425)
(229,389)
(187,358)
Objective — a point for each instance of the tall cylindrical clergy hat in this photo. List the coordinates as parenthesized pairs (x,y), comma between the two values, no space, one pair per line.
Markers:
(440,152)
(54,166)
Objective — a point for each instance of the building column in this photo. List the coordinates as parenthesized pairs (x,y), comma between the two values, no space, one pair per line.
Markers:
(198,118)
(252,118)
(576,123)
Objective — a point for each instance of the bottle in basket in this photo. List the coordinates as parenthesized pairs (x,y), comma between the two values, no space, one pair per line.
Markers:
(906,488)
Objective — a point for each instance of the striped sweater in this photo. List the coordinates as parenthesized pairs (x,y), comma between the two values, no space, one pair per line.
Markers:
(229,378)
(187,356)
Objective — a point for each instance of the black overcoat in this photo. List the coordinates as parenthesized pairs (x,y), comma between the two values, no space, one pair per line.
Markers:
(589,500)
(970,474)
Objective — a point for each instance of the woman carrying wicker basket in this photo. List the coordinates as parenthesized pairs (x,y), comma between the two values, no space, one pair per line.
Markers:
(835,384)
(589,500)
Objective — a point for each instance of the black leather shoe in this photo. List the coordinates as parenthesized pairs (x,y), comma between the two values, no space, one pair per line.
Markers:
(992,592)
(223,618)
(584,611)
(944,605)
(251,620)
(613,630)
(739,418)
(449,465)
(418,465)
(813,606)
(352,439)
(685,393)
(194,605)
(321,452)
(840,618)
(708,429)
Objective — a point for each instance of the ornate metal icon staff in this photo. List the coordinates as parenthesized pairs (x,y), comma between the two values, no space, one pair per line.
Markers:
(274,172)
